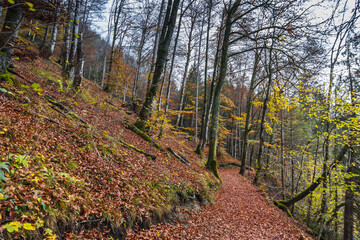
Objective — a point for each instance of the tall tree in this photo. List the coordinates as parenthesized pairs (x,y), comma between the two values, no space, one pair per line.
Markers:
(164,44)
(9,32)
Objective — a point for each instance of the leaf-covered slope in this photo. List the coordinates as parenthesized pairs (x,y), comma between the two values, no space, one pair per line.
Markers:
(65,170)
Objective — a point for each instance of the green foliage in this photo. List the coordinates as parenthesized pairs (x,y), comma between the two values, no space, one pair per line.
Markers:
(8,78)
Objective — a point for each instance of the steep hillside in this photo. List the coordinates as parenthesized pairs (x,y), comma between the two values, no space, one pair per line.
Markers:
(70,168)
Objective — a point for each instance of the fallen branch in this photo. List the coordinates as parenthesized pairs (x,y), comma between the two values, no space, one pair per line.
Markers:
(143,135)
(50,120)
(127,145)
(62,109)
(179,156)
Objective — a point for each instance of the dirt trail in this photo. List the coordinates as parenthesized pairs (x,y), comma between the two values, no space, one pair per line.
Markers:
(240,212)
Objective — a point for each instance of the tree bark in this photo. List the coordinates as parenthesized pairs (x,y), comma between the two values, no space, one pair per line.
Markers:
(183,82)
(164,44)
(9,32)
(262,124)
(54,34)
(245,141)
(211,163)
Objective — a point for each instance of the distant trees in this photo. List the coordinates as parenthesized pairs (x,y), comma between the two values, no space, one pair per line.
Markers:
(265,81)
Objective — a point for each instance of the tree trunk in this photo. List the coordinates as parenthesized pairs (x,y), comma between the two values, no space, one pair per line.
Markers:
(245,141)
(138,62)
(211,163)
(66,46)
(171,70)
(117,7)
(262,124)
(207,106)
(197,84)
(156,43)
(43,44)
(9,32)
(183,82)
(74,41)
(54,34)
(164,44)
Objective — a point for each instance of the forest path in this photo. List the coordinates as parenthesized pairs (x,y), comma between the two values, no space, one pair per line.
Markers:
(240,212)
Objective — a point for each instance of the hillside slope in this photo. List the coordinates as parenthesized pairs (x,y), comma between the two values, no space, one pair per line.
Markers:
(68,168)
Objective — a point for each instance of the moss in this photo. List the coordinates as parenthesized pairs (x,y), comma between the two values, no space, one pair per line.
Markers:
(143,135)
(8,78)
(51,76)
(283,207)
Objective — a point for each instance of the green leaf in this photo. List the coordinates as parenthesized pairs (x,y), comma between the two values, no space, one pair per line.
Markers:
(2,176)
(11,1)
(35,85)
(13,226)
(4,165)
(6,91)
(28,226)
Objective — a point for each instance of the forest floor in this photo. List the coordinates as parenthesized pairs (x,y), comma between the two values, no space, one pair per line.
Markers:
(67,170)
(240,212)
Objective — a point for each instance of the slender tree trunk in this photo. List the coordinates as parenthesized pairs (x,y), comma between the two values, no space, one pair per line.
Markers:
(74,40)
(171,70)
(164,44)
(9,32)
(208,107)
(54,33)
(183,82)
(197,84)
(79,67)
(117,7)
(202,135)
(262,124)
(156,43)
(43,44)
(245,141)
(162,87)
(139,60)
(211,163)
(282,158)
(349,194)
(66,46)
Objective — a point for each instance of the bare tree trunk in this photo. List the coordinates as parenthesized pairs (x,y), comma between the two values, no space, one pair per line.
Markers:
(74,40)
(248,110)
(262,123)
(117,7)
(171,69)
(211,163)
(79,67)
(43,44)
(139,60)
(164,44)
(54,34)
(197,84)
(66,46)
(156,43)
(9,32)
(207,106)
(349,194)
(183,82)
